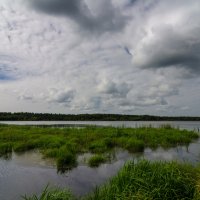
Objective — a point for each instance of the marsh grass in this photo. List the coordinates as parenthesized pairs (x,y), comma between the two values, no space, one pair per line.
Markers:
(52,194)
(5,148)
(146,180)
(96,160)
(65,144)
(66,159)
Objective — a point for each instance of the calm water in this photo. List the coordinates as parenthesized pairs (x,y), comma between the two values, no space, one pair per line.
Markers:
(28,173)
(190,125)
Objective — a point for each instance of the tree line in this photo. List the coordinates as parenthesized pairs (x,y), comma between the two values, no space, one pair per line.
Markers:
(21,116)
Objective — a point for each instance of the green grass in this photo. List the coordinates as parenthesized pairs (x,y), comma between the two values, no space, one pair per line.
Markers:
(65,144)
(149,181)
(66,159)
(5,148)
(135,145)
(96,160)
(52,194)
(144,181)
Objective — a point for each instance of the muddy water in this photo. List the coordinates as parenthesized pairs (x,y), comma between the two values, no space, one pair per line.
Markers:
(28,173)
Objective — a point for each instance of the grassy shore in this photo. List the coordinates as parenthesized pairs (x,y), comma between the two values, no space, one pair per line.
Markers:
(142,181)
(65,144)
(149,181)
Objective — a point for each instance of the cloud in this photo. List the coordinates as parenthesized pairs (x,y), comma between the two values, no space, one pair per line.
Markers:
(100,16)
(170,38)
(26,97)
(155,94)
(117,90)
(60,97)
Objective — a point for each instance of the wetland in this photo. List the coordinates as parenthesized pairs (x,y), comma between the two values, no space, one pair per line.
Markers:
(79,159)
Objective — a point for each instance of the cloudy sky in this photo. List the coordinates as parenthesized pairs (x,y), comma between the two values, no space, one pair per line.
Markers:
(102,56)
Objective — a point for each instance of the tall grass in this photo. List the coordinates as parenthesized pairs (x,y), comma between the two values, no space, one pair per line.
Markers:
(149,181)
(5,148)
(65,144)
(66,159)
(52,194)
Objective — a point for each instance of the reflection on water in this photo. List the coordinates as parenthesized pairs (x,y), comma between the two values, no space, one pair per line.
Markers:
(189,153)
(28,173)
(30,177)
(190,125)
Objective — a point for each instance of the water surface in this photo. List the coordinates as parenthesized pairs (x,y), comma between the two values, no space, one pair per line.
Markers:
(190,125)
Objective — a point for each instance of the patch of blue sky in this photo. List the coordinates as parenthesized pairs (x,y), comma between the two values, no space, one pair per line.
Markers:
(6,77)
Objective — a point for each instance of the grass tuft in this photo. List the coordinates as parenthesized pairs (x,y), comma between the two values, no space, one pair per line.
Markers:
(52,194)
(96,160)
(135,145)
(5,148)
(66,160)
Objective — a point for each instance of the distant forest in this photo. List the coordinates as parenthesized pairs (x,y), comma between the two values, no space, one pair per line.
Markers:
(88,117)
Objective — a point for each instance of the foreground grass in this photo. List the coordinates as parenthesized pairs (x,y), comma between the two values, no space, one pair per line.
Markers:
(65,144)
(147,181)
(54,194)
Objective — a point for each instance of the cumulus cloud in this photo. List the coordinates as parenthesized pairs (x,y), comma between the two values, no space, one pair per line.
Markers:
(114,89)
(60,97)
(170,37)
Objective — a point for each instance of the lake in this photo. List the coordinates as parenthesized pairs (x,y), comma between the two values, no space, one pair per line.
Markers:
(189,125)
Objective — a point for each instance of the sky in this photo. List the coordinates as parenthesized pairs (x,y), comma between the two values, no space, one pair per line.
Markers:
(102,56)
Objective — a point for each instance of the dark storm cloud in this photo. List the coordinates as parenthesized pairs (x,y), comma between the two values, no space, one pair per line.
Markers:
(110,19)
(66,7)
(173,48)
